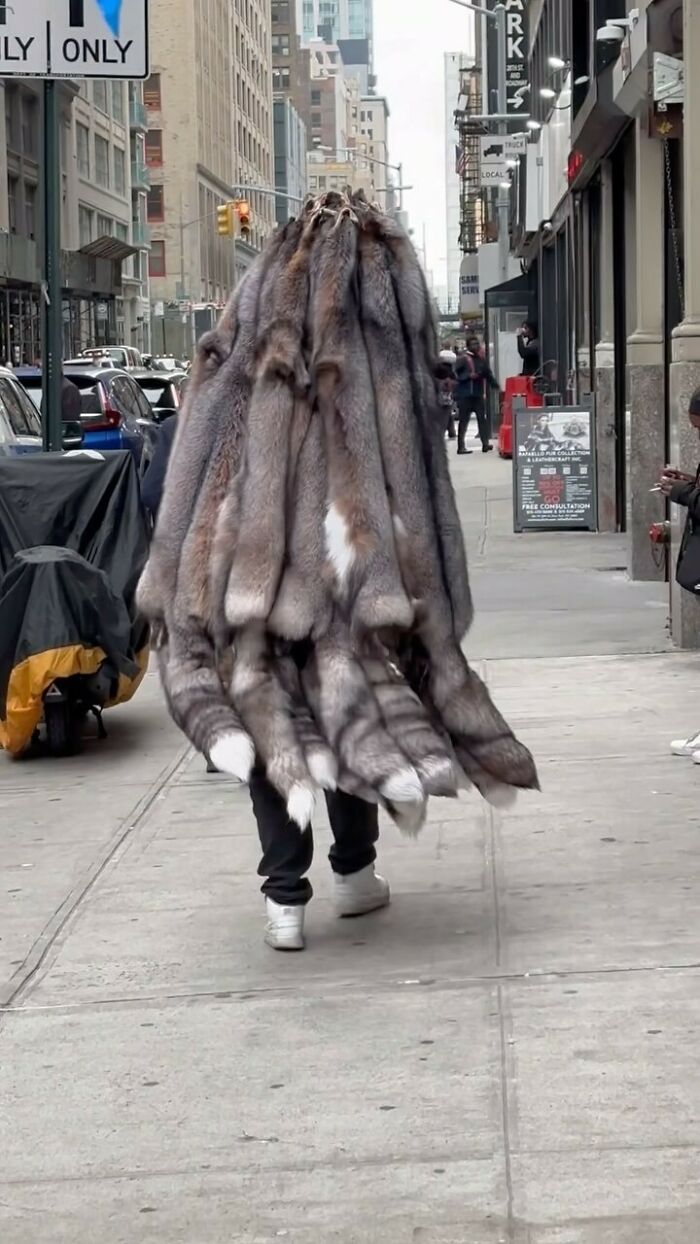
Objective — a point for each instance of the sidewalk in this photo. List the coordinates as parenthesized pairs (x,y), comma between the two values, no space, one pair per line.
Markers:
(507,1054)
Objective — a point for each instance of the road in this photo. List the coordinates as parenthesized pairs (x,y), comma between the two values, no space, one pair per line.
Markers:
(507,1054)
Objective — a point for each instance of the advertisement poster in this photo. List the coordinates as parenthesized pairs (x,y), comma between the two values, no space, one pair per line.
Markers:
(554,469)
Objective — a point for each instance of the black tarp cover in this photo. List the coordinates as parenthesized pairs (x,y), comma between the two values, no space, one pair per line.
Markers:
(73,542)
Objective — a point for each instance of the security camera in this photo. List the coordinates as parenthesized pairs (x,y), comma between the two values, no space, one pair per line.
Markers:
(610,33)
(547,226)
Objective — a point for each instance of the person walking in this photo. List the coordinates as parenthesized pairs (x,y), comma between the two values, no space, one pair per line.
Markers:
(445,376)
(473,373)
(684,490)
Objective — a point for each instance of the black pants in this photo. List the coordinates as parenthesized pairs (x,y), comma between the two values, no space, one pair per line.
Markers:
(468,406)
(450,428)
(288,850)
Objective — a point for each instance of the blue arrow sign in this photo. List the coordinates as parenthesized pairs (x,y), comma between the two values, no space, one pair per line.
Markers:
(111,11)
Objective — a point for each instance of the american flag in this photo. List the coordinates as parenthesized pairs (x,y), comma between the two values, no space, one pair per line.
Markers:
(460,161)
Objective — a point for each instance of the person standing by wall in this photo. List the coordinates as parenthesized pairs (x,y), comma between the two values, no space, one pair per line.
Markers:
(473,374)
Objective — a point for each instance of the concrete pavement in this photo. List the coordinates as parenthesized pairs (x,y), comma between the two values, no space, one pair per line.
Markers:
(507,1054)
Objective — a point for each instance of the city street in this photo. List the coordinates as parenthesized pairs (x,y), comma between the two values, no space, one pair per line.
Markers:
(506,1054)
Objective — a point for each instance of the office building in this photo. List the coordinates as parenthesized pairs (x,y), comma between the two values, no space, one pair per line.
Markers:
(290,159)
(335,19)
(209,140)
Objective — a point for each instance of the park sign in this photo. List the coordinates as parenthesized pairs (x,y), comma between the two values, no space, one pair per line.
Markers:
(74,38)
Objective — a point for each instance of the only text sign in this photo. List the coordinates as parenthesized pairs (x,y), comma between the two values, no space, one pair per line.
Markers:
(74,38)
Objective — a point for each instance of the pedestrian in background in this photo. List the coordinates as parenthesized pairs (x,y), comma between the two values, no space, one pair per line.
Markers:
(445,376)
(684,490)
(473,374)
(529,348)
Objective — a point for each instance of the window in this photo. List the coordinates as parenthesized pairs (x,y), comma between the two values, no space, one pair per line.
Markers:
(30,126)
(85,218)
(104,226)
(152,94)
(315,97)
(154,148)
(118,102)
(82,135)
(101,161)
(119,171)
(155,203)
(156,259)
(316,120)
(12,188)
(280,45)
(121,231)
(29,210)
(99,95)
(281,80)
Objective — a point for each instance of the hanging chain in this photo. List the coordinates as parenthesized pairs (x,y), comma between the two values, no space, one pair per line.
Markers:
(674,226)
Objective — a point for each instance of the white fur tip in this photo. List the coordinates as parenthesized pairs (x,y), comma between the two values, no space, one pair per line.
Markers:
(500,796)
(300,805)
(323,769)
(404,787)
(233,753)
(339,546)
(410,817)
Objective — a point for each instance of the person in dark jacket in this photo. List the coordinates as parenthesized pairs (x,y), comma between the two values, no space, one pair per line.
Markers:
(473,373)
(154,479)
(529,348)
(684,490)
(70,401)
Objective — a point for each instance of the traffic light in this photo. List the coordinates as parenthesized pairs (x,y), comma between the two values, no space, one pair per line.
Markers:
(224,220)
(245,219)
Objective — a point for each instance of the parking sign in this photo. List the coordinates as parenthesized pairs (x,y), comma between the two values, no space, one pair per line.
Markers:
(74,38)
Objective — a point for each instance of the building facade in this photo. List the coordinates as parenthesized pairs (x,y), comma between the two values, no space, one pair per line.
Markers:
(291,63)
(100,244)
(209,140)
(605,211)
(457,64)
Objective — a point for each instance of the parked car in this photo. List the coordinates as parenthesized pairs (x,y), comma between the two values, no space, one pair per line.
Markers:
(167,362)
(165,393)
(29,378)
(115,414)
(20,422)
(124,356)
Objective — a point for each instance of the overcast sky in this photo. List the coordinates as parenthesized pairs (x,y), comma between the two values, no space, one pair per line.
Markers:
(410,39)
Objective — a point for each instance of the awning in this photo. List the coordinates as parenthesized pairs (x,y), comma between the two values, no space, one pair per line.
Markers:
(108,247)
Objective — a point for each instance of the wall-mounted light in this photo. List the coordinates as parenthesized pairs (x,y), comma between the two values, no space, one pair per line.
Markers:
(534,125)
(546,92)
(557,62)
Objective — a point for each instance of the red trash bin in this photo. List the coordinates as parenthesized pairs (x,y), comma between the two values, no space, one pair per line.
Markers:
(516,386)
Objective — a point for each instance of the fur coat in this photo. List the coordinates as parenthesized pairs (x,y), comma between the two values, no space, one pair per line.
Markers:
(308,582)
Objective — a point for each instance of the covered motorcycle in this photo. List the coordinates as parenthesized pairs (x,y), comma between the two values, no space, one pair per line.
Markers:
(73,542)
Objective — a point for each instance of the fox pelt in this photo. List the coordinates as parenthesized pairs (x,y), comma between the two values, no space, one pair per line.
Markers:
(308,579)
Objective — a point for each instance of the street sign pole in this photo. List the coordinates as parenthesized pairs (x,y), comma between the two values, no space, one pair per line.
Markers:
(52,418)
(503,195)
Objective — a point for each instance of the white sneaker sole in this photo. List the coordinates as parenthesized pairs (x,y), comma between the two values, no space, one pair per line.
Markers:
(350,911)
(291,945)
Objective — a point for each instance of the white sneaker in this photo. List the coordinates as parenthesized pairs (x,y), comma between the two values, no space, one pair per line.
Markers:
(686,747)
(361,893)
(285,926)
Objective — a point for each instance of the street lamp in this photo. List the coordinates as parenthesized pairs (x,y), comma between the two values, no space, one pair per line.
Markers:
(498,14)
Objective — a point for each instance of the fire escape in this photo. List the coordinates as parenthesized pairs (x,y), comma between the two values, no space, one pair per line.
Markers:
(472,198)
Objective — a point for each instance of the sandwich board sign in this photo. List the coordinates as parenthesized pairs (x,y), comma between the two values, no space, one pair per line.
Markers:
(74,38)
